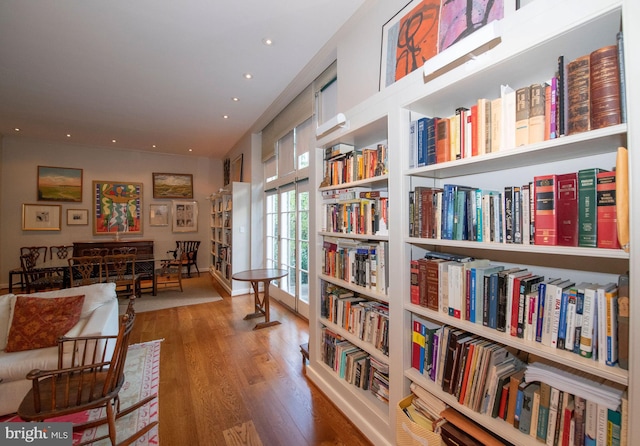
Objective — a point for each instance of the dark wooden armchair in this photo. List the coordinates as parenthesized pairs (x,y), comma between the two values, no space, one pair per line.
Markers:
(187,253)
(91,378)
(121,270)
(37,279)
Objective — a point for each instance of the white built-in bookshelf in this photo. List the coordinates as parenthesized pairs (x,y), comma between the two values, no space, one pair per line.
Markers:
(531,40)
(230,236)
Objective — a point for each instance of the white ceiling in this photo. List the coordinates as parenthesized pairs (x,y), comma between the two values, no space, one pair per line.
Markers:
(160,72)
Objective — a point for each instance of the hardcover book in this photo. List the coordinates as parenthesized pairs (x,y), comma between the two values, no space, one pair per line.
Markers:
(623,321)
(537,114)
(578,95)
(606,210)
(587,210)
(546,228)
(523,99)
(567,209)
(605,87)
(443,140)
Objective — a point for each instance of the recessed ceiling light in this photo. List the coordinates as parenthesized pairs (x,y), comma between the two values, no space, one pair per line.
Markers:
(247,76)
(190,150)
(225,116)
(235,99)
(17,129)
(267,41)
(153,145)
(113,140)
(68,135)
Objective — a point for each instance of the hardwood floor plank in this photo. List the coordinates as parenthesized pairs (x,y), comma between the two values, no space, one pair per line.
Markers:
(223,383)
(242,435)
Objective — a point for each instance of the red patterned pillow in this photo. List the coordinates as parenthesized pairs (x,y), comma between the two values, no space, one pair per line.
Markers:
(39,322)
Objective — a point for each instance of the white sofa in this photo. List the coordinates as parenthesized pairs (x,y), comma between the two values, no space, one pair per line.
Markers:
(99,316)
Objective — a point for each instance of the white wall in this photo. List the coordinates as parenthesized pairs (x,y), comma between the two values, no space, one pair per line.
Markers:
(18,184)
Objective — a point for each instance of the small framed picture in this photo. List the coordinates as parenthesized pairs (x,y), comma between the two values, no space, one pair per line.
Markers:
(77,217)
(159,214)
(185,216)
(41,217)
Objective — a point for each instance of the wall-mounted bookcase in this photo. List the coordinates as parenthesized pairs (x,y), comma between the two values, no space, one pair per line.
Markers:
(230,236)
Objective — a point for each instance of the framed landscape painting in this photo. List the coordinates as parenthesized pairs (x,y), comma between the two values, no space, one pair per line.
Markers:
(59,184)
(172,185)
(117,208)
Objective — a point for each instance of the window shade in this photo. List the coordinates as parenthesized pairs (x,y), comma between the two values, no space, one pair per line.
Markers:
(298,110)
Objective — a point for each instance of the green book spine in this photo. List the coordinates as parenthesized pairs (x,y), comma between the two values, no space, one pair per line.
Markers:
(543,412)
(587,210)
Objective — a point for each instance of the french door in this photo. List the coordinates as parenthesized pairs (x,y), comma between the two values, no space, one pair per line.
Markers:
(287,243)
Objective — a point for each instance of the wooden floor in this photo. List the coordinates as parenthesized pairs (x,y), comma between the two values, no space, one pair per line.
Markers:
(222,383)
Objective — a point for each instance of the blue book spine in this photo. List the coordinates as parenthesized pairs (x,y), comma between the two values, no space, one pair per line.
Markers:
(431,141)
(448,204)
(472,296)
(422,143)
(479,221)
(493,300)
(562,323)
(539,323)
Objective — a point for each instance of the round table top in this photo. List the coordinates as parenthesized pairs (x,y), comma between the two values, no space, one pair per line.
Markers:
(260,274)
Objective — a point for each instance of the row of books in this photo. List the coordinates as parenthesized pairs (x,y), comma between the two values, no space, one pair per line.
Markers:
(584,94)
(356,211)
(345,163)
(571,209)
(362,263)
(355,365)
(368,320)
(584,318)
(490,379)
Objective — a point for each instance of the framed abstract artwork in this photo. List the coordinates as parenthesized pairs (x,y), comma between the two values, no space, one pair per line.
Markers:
(59,184)
(424,28)
(117,208)
(41,217)
(172,185)
(185,216)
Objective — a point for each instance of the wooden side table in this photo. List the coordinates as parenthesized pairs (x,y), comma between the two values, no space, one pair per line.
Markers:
(264,276)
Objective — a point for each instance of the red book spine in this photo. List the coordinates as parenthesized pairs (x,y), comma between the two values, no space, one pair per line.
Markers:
(415,285)
(567,209)
(422,282)
(432,285)
(606,210)
(545,210)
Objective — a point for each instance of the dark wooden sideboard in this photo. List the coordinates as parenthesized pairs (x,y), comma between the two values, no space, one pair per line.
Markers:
(144,255)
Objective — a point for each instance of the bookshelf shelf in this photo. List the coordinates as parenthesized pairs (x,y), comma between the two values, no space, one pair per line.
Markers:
(614,374)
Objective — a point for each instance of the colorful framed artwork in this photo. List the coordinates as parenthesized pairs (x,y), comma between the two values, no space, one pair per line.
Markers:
(59,184)
(41,217)
(77,217)
(159,214)
(172,185)
(117,208)
(185,216)
(424,28)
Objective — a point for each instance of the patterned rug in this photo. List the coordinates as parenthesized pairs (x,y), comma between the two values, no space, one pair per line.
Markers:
(142,378)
